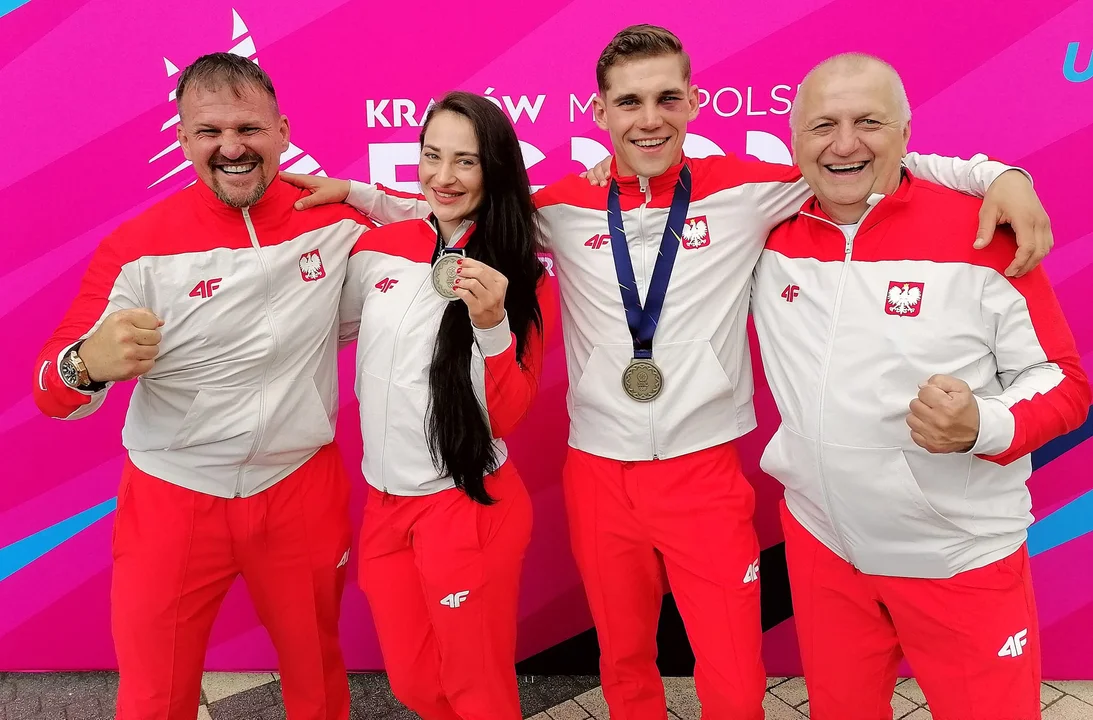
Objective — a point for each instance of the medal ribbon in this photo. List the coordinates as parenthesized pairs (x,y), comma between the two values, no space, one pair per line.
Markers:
(456,247)
(643,321)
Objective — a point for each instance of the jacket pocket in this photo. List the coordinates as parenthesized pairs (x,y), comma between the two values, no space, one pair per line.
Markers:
(701,393)
(299,421)
(599,401)
(888,525)
(218,415)
(793,460)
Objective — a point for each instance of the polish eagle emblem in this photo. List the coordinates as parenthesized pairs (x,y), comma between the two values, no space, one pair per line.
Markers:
(696,234)
(904,298)
(311,266)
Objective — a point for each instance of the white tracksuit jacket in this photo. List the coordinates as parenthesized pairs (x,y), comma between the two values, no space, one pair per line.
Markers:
(701,342)
(245,387)
(850,322)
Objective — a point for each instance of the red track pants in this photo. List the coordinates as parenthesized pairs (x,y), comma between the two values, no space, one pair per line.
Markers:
(693,514)
(972,639)
(177,552)
(442,576)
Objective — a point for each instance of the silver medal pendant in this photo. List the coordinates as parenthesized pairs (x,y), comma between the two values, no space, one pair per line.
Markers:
(444,275)
(642,380)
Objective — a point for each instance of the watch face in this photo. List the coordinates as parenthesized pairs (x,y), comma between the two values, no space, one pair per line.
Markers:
(68,373)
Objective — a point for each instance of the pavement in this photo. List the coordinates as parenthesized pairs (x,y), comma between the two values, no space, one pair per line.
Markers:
(257,696)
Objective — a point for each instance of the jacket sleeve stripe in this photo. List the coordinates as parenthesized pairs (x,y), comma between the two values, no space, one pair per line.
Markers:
(507,386)
(104,290)
(1046,390)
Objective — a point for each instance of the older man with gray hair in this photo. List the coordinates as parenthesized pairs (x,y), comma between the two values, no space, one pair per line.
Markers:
(913,379)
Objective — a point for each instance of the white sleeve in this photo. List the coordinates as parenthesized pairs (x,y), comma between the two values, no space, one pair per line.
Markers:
(352,300)
(385,205)
(1045,391)
(971,177)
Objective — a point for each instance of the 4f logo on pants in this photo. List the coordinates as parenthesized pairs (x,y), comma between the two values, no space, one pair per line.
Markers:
(455,599)
(752,574)
(1014,645)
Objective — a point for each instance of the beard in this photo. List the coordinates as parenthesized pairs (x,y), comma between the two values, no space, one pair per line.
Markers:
(231,196)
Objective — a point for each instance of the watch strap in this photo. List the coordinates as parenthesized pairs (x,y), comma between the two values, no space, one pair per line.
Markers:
(90,385)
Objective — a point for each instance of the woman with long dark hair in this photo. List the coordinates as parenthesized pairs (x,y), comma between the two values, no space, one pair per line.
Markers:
(450,315)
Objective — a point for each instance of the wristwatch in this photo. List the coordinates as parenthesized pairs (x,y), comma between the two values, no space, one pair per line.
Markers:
(74,373)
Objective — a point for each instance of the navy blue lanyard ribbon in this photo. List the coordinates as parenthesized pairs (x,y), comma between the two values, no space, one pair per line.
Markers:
(643,321)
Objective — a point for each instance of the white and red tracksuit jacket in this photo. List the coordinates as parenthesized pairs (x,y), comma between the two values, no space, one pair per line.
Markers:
(701,342)
(245,388)
(851,321)
(389,305)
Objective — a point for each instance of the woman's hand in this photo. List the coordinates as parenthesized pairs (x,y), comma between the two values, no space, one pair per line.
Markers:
(323,190)
(483,290)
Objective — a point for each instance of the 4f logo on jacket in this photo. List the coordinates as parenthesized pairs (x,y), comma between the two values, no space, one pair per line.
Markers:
(597,241)
(696,233)
(454,600)
(1014,645)
(386,284)
(904,299)
(311,266)
(205,288)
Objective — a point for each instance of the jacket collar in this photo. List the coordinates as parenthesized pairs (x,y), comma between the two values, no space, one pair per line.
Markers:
(465,229)
(635,185)
(883,204)
(278,197)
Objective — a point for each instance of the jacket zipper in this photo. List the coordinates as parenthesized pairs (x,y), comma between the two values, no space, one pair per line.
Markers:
(273,354)
(645,273)
(391,379)
(849,251)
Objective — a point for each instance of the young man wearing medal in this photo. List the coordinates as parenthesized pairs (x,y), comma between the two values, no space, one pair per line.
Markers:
(450,315)
(659,377)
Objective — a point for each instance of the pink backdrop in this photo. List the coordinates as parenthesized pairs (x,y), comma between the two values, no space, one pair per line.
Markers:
(88,141)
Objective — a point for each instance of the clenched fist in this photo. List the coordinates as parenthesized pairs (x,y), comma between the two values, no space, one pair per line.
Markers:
(123,347)
(944,417)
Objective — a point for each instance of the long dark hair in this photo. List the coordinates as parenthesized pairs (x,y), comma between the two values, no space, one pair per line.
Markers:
(505,237)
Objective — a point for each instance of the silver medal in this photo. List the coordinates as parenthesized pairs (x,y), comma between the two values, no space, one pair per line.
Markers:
(642,380)
(444,275)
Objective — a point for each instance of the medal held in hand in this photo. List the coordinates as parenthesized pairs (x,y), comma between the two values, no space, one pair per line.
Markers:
(446,265)
(642,380)
(444,274)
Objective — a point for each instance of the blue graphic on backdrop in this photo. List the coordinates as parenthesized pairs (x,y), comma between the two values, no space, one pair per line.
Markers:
(1065,524)
(1070,65)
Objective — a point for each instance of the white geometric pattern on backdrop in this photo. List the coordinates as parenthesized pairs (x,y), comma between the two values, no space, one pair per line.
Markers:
(297,160)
